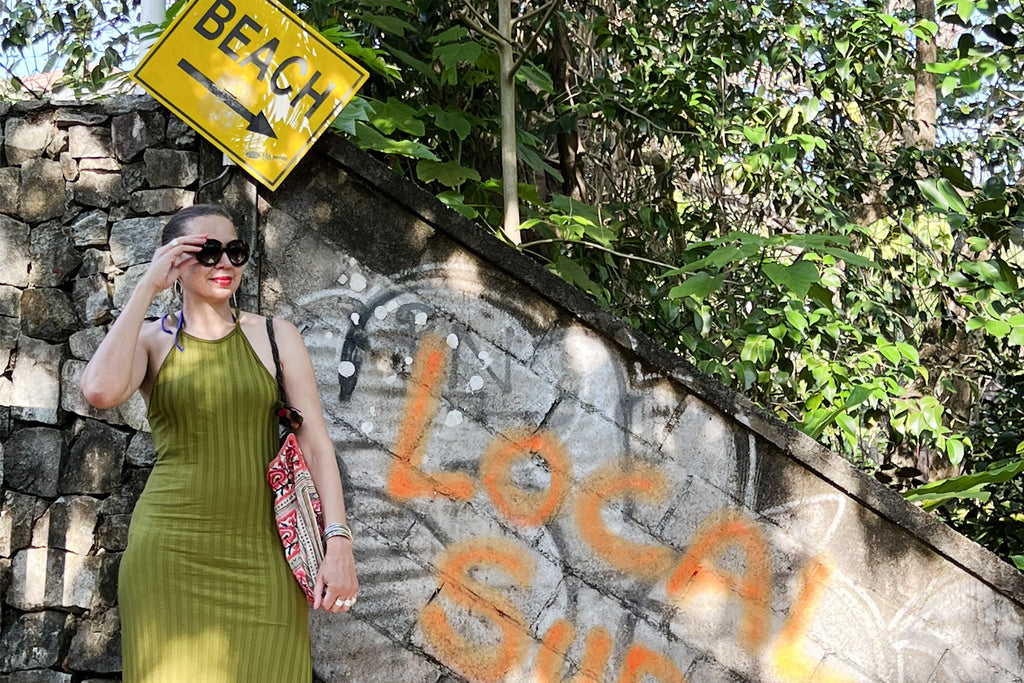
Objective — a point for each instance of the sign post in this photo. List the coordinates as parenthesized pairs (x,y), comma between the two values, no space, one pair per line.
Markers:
(252,78)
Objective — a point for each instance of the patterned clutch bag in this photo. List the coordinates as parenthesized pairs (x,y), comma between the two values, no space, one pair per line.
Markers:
(298,514)
(300,522)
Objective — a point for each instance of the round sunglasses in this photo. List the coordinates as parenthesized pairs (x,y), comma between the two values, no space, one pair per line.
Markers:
(237,251)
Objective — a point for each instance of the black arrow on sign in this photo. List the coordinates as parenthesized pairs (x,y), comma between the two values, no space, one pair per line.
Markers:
(257,122)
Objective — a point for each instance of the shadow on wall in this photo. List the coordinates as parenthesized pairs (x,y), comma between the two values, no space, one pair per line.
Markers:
(550,505)
(532,501)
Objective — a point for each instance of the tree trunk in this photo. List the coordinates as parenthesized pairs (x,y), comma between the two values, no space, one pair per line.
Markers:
(573,184)
(924,82)
(509,160)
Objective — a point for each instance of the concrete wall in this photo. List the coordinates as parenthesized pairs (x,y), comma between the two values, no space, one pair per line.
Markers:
(538,492)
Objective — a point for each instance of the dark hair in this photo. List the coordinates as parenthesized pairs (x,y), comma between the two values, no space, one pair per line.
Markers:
(175,227)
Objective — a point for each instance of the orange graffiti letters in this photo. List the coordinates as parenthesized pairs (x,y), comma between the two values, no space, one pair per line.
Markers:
(622,479)
(518,505)
(551,657)
(480,661)
(699,570)
(641,662)
(728,556)
(788,652)
(407,480)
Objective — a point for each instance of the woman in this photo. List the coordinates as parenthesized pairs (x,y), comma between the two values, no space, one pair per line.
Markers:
(205,592)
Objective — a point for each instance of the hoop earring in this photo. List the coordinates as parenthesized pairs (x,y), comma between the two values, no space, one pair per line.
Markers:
(234,300)
(176,287)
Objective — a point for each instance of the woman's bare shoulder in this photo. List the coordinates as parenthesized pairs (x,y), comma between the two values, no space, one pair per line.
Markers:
(251,322)
(254,327)
(157,337)
(153,331)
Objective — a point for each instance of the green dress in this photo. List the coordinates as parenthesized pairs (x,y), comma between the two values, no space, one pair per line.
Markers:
(205,593)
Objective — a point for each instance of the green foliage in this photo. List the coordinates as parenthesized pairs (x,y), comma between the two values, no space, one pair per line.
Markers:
(988,503)
(740,181)
(967,486)
(748,197)
(87,42)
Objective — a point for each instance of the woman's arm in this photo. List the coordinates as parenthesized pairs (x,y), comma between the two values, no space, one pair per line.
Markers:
(119,365)
(337,577)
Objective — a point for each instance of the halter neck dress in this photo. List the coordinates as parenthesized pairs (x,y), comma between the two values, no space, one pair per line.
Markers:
(205,593)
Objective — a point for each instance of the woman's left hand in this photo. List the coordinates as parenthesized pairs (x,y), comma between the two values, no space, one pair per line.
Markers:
(336,584)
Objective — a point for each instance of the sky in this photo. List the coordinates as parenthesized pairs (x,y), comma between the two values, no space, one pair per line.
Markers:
(33,59)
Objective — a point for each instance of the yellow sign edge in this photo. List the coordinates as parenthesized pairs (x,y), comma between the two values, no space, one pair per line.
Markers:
(270,183)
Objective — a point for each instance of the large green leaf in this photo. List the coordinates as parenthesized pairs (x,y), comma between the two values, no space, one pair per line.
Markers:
(457,202)
(698,285)
(850,257)
(797,277)
(941,193)
(357,109)
(536,76)
(450,119)
(574,273)
(454,53)
(369,138)
(396,115)
(388,23)
(965,486)
(932,500)
(448,173)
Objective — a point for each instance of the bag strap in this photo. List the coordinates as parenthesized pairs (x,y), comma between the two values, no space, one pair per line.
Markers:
(277,360)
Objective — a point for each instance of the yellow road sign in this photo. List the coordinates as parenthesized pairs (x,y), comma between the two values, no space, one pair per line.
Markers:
(251,77)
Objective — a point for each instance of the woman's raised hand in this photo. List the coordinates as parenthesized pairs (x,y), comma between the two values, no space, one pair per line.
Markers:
(170,260)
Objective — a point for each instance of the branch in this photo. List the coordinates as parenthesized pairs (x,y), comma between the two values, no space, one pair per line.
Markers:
(21,82)
(595,245)
(918,243)
(480,16)
(663,129)
(536,34)
(484,28)
(532,13)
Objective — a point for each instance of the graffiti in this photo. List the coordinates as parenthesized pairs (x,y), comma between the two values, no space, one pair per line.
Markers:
(699,573)
(788,657)
(639,482)
(641,662)
(478,660)
(526,508)
(482,662)
(413,316)
(407,478)
(555,645)
(638,663)
(733,583)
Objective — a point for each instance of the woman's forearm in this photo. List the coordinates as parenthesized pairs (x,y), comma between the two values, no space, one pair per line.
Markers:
(323,465)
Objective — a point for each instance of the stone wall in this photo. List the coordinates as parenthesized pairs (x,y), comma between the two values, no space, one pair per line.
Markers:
(538,492)
(84,192)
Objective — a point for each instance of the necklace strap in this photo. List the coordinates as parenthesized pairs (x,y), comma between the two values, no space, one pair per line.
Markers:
(177,329)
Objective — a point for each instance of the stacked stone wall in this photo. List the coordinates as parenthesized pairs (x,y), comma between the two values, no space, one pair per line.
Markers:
(538,492)
(84,192)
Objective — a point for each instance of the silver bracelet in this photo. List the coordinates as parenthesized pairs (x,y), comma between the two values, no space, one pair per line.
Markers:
(336,529)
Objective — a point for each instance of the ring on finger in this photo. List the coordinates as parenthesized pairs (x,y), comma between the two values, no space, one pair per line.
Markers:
(174,242)
(339,602)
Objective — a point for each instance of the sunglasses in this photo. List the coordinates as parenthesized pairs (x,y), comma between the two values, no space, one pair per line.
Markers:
(237,251)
